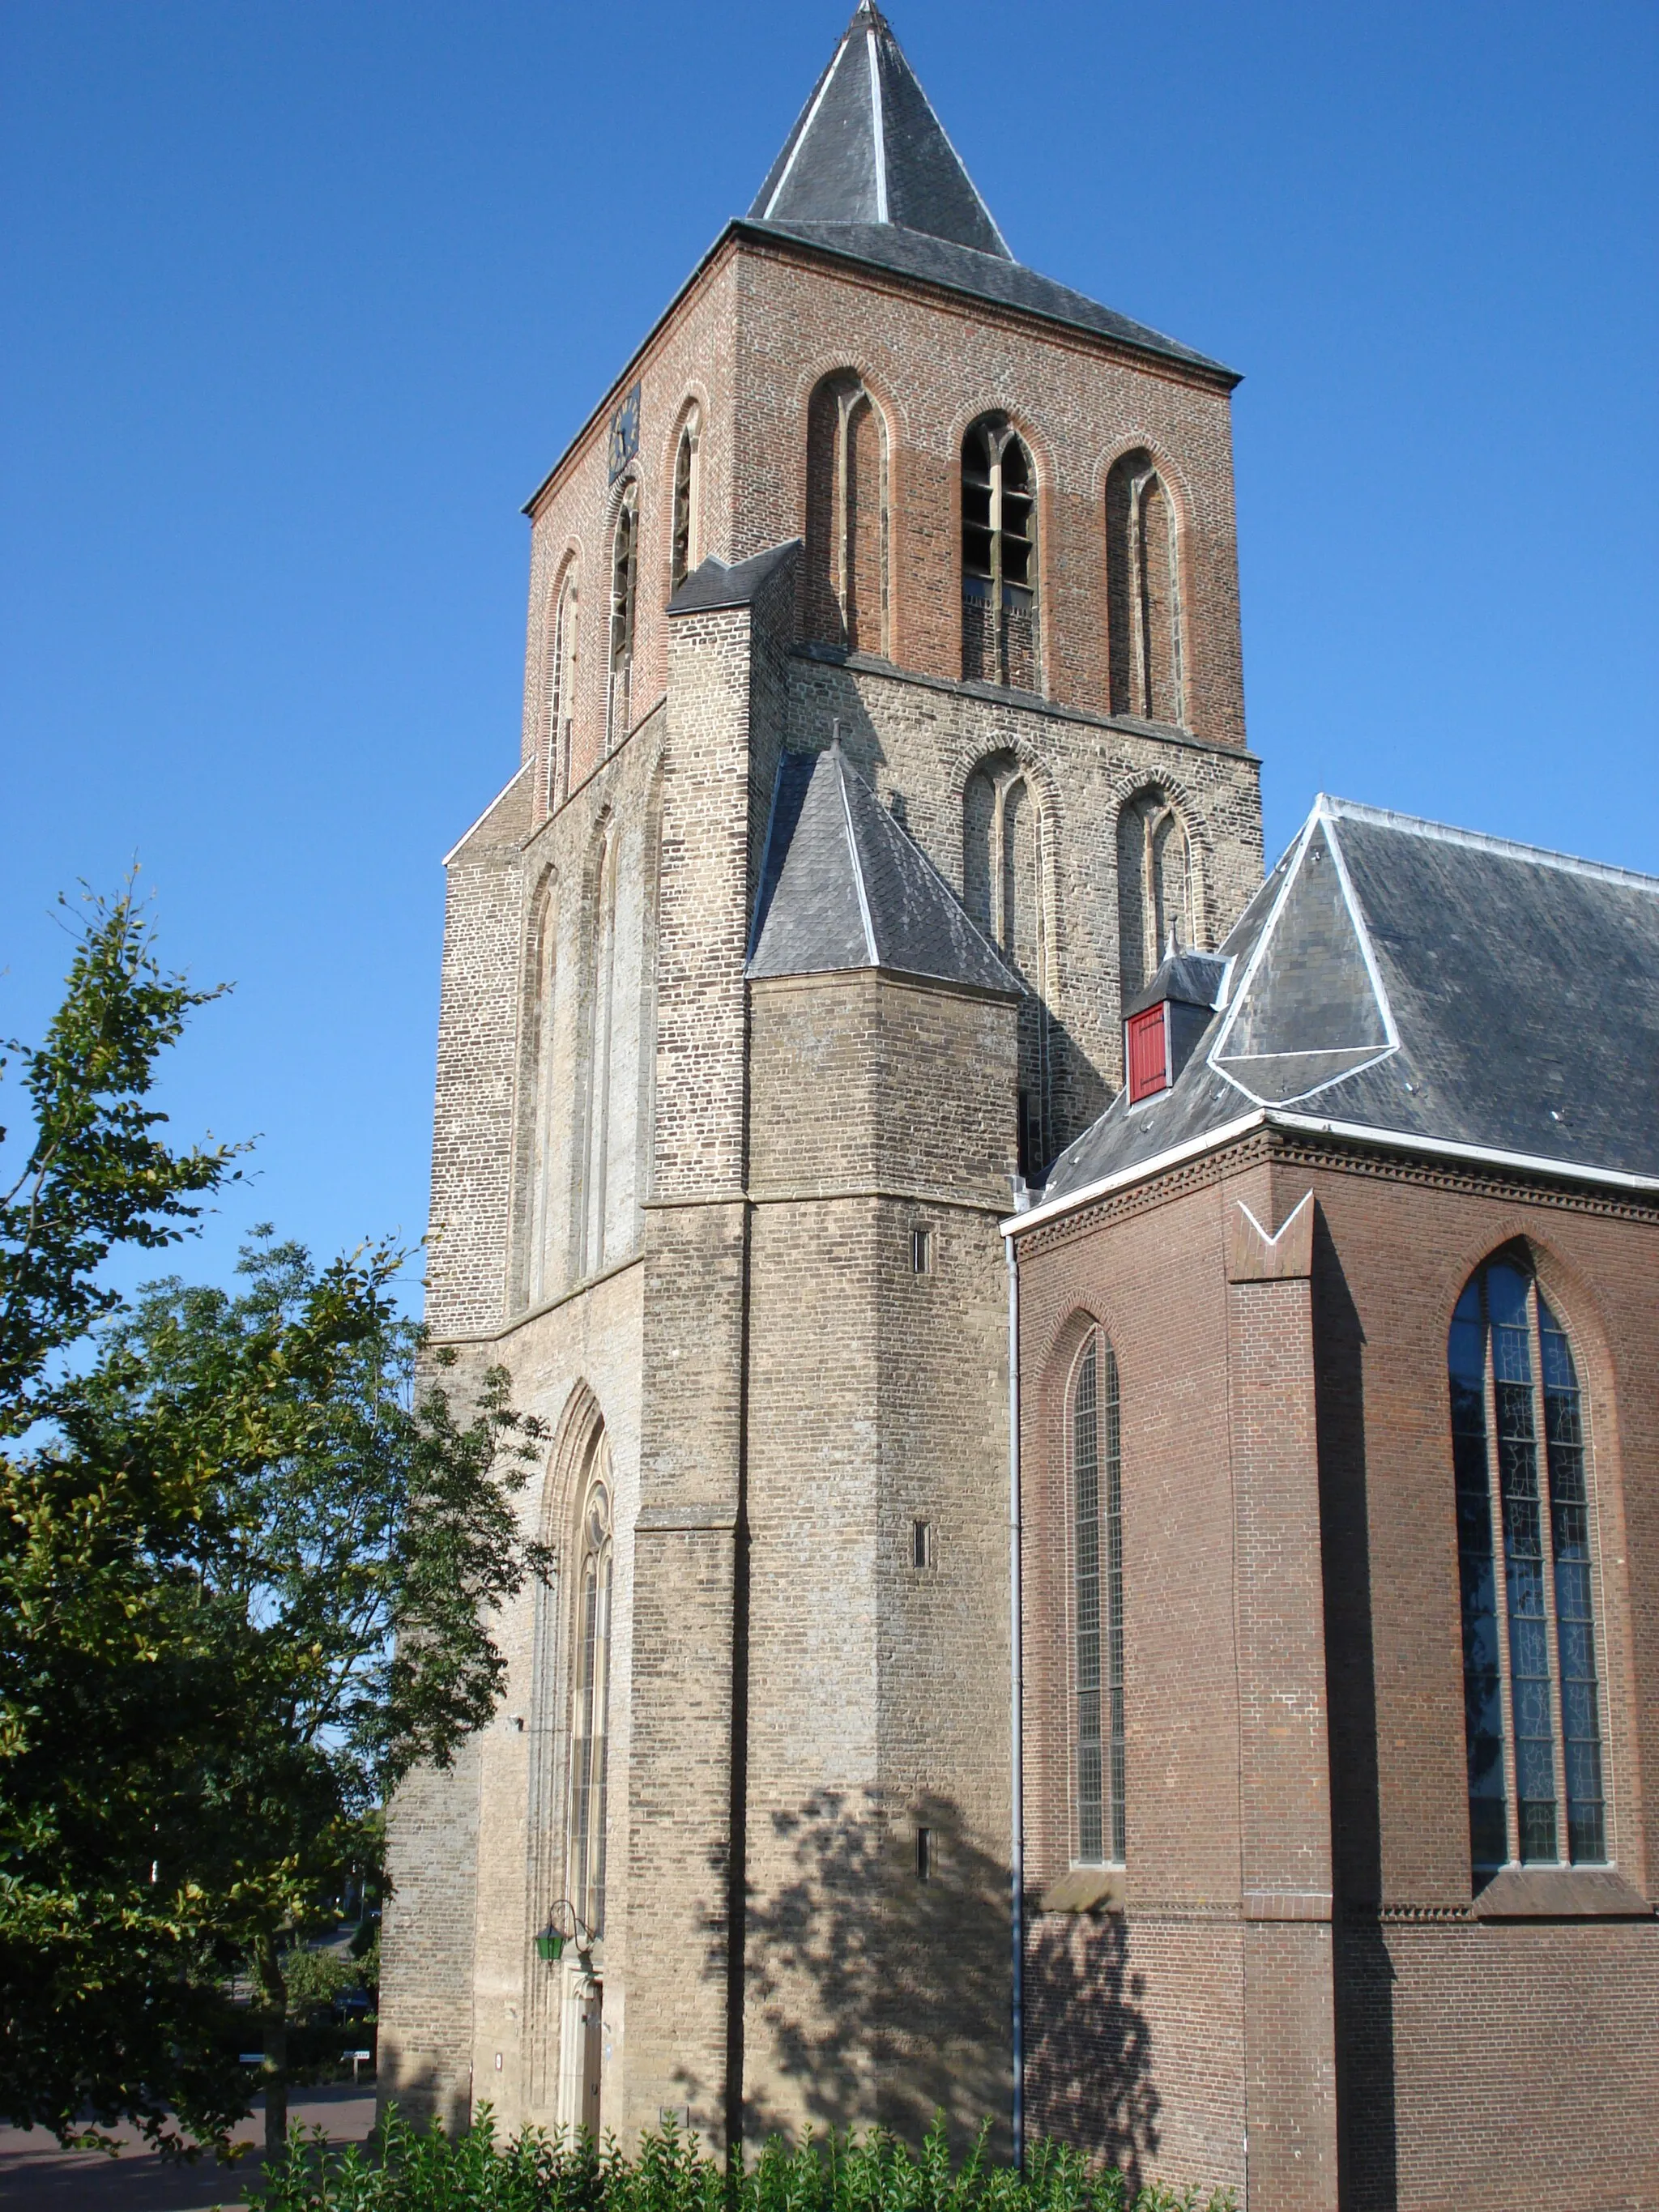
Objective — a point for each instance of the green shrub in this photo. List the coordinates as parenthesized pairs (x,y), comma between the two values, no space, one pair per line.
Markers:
(474,2172)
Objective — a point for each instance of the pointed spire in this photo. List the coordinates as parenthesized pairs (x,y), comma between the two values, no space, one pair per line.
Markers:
(868,149)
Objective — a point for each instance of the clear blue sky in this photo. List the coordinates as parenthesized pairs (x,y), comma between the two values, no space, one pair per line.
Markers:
(302,297)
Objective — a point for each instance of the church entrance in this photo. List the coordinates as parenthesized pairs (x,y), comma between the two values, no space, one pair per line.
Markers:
(591,2051)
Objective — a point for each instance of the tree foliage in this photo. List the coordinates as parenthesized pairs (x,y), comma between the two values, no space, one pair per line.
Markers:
(249,1550)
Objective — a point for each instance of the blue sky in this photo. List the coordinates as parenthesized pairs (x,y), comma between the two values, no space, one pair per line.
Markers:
(302,300)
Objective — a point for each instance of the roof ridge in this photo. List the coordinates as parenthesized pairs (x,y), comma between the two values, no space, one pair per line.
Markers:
(839,761)
(1417,825)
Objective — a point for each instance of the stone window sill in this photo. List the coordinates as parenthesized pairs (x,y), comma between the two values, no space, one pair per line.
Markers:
(1086,1889)
(1560,1893)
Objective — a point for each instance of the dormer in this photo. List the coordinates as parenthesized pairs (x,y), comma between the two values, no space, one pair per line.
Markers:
(1163,1024)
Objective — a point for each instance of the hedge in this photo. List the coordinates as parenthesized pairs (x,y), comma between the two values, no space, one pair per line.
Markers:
(406,2171)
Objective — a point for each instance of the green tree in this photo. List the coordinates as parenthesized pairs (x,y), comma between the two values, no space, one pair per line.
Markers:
(248,1563)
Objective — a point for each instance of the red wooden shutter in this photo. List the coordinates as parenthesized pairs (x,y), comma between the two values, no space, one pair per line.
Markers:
(1148,1053)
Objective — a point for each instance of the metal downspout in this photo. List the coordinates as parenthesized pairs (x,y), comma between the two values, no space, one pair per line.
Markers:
(1016,1669)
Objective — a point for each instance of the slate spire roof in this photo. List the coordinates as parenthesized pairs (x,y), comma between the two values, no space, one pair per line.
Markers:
(868,149)
(868,173)
(1398,981)
(843,886)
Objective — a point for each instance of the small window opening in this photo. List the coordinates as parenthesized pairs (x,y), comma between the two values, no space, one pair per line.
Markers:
(624,564)
(999,557)
(921,1251)
(921,1544)
(924,1854)
(1147,1052)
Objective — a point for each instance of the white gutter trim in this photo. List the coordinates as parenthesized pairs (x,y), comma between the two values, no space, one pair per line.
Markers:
(1141,1171)
(488,811)
(1356,1132)
(879,127)
(1017,1715)
(1446,1148)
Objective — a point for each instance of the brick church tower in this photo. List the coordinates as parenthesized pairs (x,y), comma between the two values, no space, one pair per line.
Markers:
(883,718)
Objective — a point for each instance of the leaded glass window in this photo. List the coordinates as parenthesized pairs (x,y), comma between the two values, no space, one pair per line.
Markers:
(1097,1604)
(589,1728)
(686,488)
(624,574)
(1531,1695)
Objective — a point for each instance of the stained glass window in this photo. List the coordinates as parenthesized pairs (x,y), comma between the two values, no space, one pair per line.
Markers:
(1097,1604)
(1533,1727)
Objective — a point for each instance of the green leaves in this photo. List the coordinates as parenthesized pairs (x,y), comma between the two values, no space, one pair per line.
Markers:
(476,2171)
(250,1550)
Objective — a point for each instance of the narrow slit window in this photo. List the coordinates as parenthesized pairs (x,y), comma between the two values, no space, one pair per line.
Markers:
(625,572)
(921,1251)
(1097,1607)
(921,1544)
(924,1854)
(1531,1693)
(687,470)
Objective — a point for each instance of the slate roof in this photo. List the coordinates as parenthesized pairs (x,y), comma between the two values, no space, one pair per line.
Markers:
(868,173)
(842,887)
(714,585)
(1397,980)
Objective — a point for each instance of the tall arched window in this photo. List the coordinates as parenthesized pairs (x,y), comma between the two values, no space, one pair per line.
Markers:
(594,1151)
(999,557)
(688,491)
(1531,1698)
(590,1698)
(1096,1605)
(624,574)
(846,516)
(542,1273)
(561,690)
(1157,888)
(1002,877)
(1143,592)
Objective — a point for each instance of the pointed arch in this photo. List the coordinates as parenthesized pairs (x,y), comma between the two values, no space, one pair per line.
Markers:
(625,600)
(685,508)
(1094,1495)
(1143,592)
(594,1085)
(1159,885)
(562,666)
(1005,868)
(1534,1657)
(541,1272)
(847,515)
(1000,572)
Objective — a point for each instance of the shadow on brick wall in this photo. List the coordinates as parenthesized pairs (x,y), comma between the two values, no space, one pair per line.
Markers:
(1365,1977)
(876,1995)
(1088,2043)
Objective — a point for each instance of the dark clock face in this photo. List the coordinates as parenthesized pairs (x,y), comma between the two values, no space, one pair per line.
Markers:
(625,434)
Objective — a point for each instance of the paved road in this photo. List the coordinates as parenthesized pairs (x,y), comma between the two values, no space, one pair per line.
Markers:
(35,2176)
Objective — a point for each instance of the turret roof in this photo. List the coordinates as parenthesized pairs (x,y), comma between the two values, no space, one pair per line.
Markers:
(843,886)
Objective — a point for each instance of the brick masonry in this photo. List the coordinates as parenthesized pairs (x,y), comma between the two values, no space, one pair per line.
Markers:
(680,1209)
(1295,1960)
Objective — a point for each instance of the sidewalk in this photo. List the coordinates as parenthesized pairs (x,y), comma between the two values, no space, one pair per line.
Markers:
(35,2176)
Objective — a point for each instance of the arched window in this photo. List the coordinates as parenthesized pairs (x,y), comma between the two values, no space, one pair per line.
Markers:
(625,572)
(590,1698)
(542,1273)
(846,517)
(1002,872)
(593,1193)
(1156,887)
(1143,592)
(1096,1605)
(999,557)
(688,491)
(561,691)
(1531,1699)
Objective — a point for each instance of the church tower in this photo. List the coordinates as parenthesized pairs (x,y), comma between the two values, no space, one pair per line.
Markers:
(883,717)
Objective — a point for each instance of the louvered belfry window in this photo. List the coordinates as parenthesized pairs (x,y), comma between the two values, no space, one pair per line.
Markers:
(1531,1695)
(1147,1050)
(1098,1744)
(998,558)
